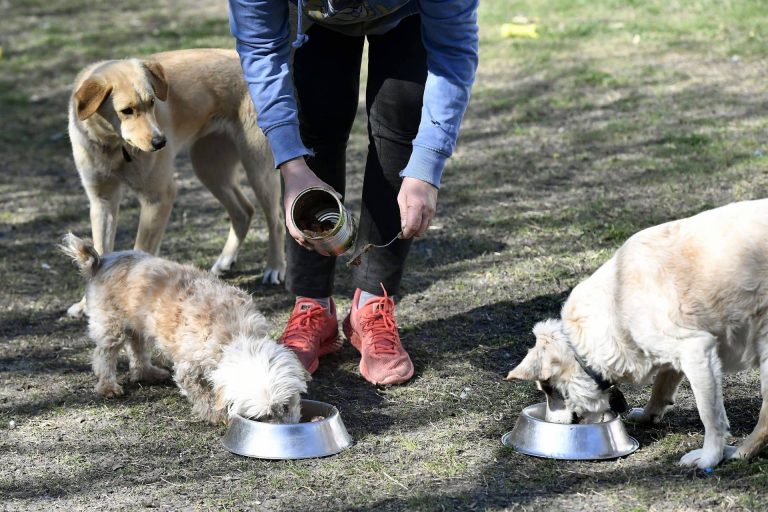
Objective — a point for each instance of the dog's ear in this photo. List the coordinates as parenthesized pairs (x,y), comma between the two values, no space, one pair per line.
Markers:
(90,96)
(548,331)
(542,360)
(529,368)
(539,364)
(157,79)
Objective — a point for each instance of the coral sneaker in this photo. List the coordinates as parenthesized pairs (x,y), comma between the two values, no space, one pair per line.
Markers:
(311,332)
(372,331)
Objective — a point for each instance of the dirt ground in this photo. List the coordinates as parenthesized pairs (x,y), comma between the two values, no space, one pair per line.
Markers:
(620,116)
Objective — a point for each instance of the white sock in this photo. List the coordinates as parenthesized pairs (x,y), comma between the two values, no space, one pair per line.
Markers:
(365,297)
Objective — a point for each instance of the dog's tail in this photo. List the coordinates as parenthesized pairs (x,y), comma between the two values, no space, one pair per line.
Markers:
(82,253)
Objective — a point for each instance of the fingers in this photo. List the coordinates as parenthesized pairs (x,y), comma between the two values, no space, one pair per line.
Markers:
(418,219)
(413,218)
(401,203)
(417,201)
(296,234)
(426,220)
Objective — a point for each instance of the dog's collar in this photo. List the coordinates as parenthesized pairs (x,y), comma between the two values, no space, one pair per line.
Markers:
(126,155)
(596,376)
(616,398)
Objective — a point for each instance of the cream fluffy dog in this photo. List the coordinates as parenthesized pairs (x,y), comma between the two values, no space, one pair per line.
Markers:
(686,298)
(223,360)
(128,119)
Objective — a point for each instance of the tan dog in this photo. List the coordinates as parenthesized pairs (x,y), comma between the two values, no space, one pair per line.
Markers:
(685,298)
(128,119)
(224,361)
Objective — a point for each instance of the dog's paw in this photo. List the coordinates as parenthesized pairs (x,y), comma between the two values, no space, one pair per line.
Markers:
(733,452)
(273,276)
(109,389)
(638,416)
(701,459)
(741,451)
(77,310)
(221,267)
(152,375)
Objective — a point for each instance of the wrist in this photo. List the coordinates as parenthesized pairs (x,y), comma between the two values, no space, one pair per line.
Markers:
(293,167)
(425,165)
(419,182)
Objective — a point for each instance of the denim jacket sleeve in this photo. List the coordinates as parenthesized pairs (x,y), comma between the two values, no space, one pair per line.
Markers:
(449,31)
(260,28)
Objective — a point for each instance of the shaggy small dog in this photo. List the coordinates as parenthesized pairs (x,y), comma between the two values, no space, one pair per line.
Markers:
(224,362)
(686,298)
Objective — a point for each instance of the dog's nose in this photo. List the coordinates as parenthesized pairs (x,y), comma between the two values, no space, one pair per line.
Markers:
(158,142)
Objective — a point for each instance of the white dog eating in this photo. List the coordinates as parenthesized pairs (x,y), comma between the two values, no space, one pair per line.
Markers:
(224,362)
(686,298)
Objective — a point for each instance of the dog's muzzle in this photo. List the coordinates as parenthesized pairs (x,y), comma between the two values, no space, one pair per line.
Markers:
(158,142)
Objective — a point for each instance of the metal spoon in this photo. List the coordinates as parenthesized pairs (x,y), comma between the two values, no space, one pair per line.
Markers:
(357,258)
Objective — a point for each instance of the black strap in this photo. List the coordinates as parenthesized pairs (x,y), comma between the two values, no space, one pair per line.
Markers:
(616,398)
(601,382)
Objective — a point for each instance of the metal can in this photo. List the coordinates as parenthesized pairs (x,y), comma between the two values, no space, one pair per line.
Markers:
(324,221)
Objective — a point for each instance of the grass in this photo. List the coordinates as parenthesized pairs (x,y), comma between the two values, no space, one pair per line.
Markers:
(622,115)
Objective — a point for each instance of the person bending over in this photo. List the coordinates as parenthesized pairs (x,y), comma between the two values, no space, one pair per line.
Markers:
(422,58)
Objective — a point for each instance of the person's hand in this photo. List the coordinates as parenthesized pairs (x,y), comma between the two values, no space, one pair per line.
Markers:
(417,201)
(297,177)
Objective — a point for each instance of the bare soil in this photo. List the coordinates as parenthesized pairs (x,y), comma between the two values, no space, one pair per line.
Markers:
(620,116)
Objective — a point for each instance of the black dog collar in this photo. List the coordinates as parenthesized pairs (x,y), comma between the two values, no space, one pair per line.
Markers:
(616,398)
(601,382)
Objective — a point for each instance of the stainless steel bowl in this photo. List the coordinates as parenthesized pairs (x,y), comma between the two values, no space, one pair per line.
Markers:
(304,440)
(532,435)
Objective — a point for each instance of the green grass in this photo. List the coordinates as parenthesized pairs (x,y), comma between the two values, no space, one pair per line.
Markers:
(622,115)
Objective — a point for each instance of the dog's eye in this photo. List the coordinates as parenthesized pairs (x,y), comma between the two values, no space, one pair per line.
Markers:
(151,102)
(127,111)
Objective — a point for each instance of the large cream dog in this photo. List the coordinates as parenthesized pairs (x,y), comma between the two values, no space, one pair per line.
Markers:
(686,298)
(128,119)
(224,361)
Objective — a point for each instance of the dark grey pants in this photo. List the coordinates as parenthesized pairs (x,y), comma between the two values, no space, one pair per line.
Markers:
(327,78)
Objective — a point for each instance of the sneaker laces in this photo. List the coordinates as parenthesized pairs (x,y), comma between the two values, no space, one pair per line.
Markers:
(381,325)
(301,325)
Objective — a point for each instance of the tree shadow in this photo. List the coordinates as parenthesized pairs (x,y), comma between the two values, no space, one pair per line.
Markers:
(511,480)
(501,328)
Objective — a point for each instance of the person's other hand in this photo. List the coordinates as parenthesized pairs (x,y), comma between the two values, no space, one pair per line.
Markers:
(297,177)
(417,201)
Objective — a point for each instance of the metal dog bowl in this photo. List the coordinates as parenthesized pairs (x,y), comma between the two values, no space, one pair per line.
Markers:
(532,435)
(304,440)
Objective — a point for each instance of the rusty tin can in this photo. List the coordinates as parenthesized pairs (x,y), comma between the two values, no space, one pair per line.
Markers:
(324,221)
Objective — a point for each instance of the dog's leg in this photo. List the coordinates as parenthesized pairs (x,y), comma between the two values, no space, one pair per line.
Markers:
(105,364)
(156,200)
(701,364)
(662,397)
(254,155)
(195,387)
(104,197)
(755,441)
(214,158)
(104,200)
(140,361)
